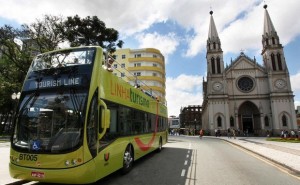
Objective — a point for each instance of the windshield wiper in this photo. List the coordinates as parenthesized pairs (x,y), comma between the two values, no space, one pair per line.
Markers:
(76,104)
(34,94)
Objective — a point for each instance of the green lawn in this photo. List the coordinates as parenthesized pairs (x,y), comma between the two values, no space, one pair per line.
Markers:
(288,140)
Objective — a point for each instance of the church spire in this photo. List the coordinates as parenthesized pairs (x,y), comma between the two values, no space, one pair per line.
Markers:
(272,52)
(212,32)
(269,28)
(270,37)
(214,55)
(213,41)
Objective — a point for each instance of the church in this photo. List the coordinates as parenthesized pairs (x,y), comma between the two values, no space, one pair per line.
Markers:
(246,96)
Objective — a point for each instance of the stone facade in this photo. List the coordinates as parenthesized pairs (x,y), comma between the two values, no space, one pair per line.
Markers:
(246,96)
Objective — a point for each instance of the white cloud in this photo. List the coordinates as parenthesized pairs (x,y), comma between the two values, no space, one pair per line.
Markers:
(239,24)
(182,91)
(167,44)
(295,82)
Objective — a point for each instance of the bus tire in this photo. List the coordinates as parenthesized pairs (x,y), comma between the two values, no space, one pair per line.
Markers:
(127,159)
(159,149)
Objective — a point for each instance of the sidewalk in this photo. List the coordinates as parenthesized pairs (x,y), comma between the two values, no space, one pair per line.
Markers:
(282,153)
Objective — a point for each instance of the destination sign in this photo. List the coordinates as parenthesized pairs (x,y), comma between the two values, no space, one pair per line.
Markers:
(57,83)
(53,83)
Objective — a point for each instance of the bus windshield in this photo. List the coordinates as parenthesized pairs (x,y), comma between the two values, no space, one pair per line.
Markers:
(50,122)
(63,58)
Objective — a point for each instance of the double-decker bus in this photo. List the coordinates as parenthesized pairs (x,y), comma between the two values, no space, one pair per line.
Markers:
(77,122)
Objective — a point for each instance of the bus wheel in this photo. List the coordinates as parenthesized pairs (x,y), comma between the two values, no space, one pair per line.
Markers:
(127,160)
(159,149)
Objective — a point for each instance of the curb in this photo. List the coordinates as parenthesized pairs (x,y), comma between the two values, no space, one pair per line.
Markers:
(292,170)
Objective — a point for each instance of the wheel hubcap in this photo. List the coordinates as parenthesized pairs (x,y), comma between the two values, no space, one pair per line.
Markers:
(127,158)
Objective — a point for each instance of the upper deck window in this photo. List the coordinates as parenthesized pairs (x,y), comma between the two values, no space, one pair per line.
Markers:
(63,58)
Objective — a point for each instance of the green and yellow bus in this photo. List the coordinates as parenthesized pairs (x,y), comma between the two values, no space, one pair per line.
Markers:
(77,122)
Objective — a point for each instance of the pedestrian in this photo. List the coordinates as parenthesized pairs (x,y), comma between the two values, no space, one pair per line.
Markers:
(201,133)
(228,133)
(292,134)
(233,133)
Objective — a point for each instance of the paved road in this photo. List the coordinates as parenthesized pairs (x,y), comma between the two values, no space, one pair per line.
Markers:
(189,161)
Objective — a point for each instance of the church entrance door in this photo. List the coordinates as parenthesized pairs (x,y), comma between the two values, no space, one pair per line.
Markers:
(249,118)
(247,124)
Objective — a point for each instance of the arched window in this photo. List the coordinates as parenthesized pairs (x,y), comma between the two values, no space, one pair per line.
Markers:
(219,120)
(267,42)
(279,61)
(273,62)
(267,121)
(213,67)
(273,40)
(218,65)
(284,120)
(231,121)
(214,45)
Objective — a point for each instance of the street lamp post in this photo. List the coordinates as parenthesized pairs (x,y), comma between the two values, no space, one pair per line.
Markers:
(15,97)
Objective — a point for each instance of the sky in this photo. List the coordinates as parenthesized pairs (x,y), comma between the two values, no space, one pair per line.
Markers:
(179,29)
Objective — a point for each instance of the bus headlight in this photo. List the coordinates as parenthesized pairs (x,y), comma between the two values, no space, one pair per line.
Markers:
(67,162)
(74,162)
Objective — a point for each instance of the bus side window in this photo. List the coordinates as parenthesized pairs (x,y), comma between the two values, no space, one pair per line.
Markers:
(92,126)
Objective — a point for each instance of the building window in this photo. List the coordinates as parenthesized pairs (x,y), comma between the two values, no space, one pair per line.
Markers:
(245,84)
(137,65)
(273,62)
(137,74)
(213,65)
(279,61)
(122,74)
(218,65)
(267,121)
(154,56)
(123,65)
(154,65)
(115,66)
(154,74)
(273,40)
(137,55)
(123,56)
(214,45)
(231,121)
(219,120)
(284,120)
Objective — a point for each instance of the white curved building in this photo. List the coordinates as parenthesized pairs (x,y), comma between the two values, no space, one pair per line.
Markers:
(143,67)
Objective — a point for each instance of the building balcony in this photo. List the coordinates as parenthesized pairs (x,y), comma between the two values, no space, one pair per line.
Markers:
(147,68)
(148,78)
(147,59)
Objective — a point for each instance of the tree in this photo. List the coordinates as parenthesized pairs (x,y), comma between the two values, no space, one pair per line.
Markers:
(19,46)
(45,34)
(90,31)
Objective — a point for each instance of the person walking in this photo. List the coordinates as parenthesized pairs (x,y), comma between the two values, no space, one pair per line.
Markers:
(229,133)
(233,133)
(201,133)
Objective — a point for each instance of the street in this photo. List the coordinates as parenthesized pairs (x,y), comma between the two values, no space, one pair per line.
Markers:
(188,160)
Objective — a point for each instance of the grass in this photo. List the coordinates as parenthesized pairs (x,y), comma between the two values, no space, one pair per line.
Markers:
(287,140)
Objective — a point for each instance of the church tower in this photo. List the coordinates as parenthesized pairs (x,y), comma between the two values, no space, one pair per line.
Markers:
(281,95)
(253,99)
(214,57)
(215,89)
(272,52)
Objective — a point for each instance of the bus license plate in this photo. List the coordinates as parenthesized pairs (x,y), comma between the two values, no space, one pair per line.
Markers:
(38,174)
